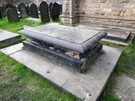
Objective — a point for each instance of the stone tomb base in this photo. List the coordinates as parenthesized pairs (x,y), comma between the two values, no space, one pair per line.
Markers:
(69,46)
(87,86)
(58,55)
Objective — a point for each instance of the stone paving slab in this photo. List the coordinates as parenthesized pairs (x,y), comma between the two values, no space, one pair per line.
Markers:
(6,36)
(52,72)
(88,85)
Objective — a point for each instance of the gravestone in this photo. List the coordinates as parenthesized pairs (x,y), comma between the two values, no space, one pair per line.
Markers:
(50,9)
(44,12)
(1,13)
(12,15)
(33,11)
(55,11)
(27,10)
(21,8)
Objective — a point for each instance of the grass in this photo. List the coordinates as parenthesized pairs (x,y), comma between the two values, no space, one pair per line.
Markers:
(18,83)
(16,26)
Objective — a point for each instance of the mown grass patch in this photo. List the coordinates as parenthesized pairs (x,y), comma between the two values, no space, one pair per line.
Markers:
(16,26)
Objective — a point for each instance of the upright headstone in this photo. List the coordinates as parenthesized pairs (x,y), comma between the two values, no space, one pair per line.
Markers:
(27,10)
(55,11)
(1,13)
(12,15)
(44,12)
(21,8)
(33,11)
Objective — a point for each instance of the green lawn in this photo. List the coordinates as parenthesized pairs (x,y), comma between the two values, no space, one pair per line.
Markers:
(17,83)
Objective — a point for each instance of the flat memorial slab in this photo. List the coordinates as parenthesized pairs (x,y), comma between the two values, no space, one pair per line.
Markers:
(113,35)
(72,38)
(6,36)
(88,85)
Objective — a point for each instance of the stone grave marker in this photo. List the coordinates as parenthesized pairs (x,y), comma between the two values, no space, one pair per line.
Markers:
(44,12)
(21,8)
(33,11)
(12,15)
(55,11)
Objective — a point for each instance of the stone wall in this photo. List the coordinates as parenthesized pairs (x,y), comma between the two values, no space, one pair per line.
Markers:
(70,11)
(119,13)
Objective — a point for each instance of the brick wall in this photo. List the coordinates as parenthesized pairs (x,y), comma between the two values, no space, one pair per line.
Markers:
(119,13)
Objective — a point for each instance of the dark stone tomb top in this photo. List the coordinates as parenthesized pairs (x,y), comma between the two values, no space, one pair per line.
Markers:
(77,39)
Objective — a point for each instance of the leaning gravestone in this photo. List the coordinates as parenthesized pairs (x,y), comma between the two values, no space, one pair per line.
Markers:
(55,11)
(33,11)
(12,15)
(44,12)
(1,13)
(21,8)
